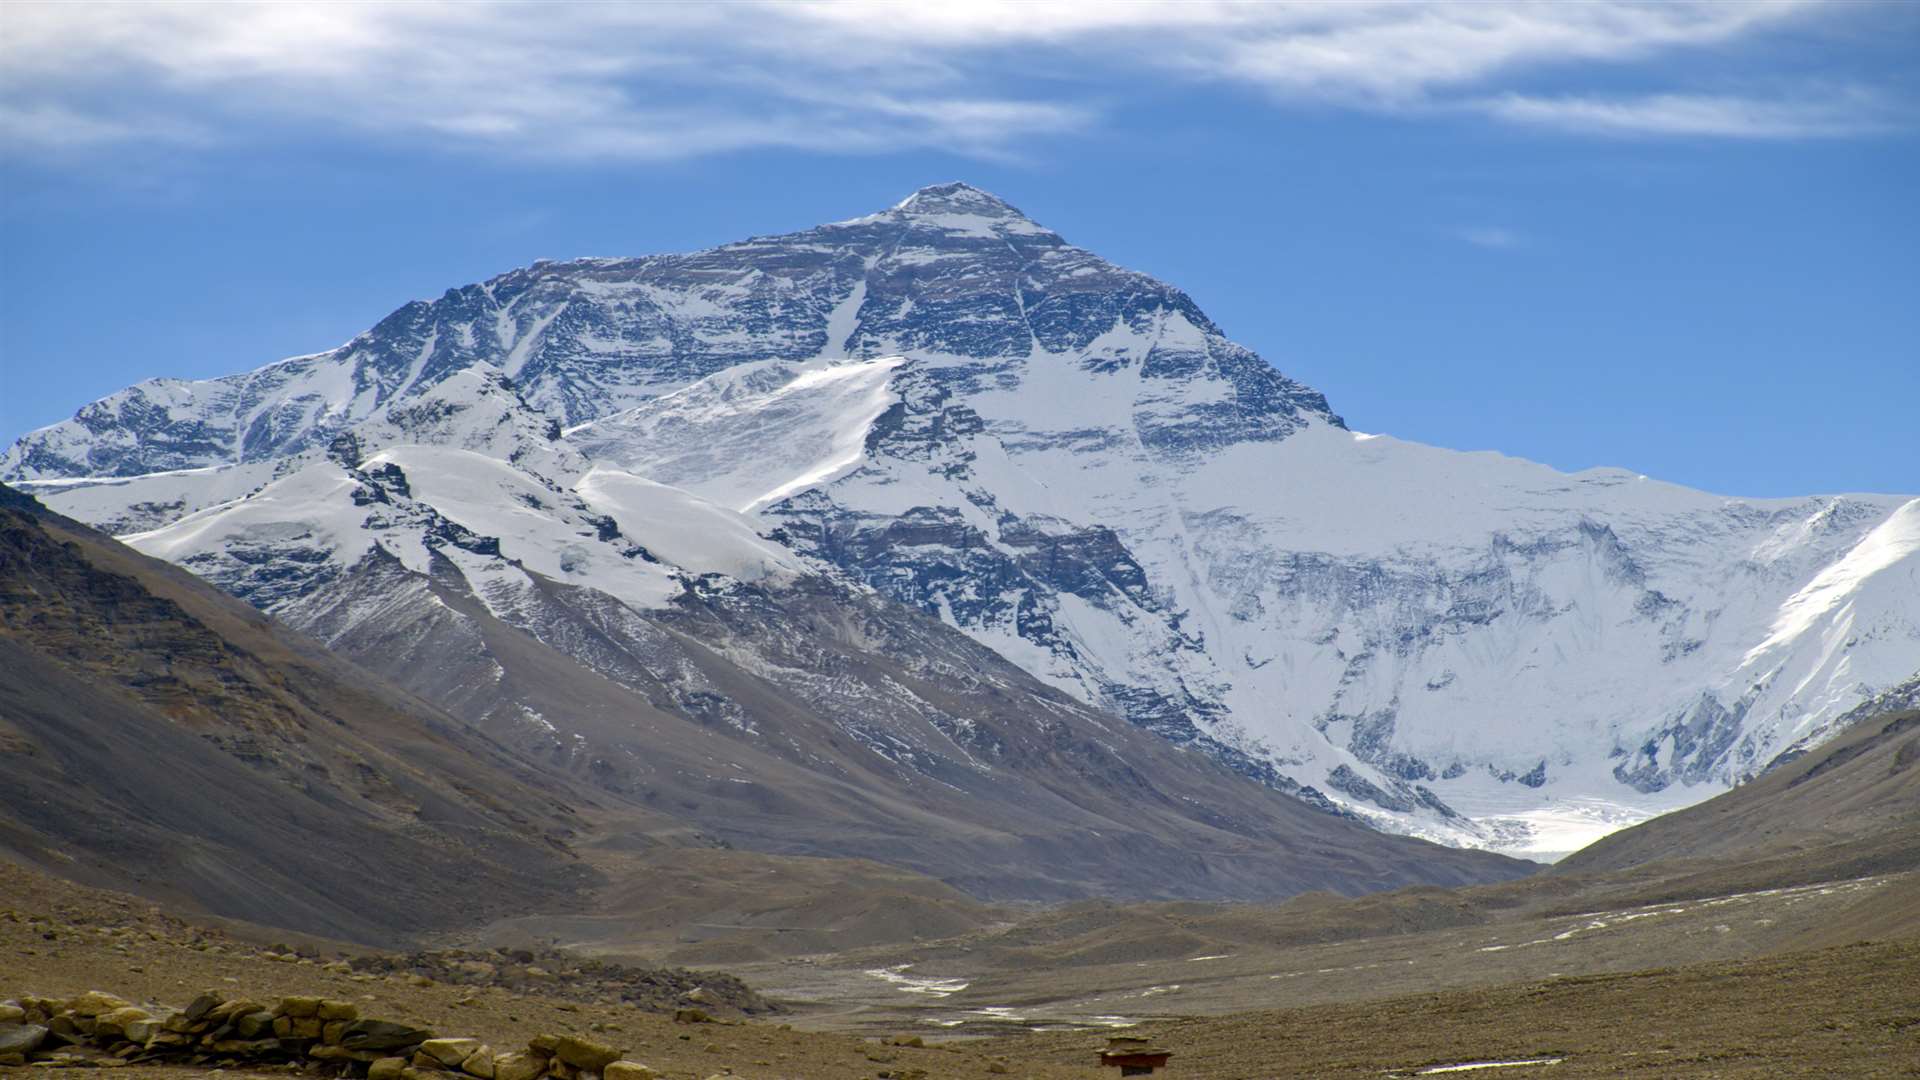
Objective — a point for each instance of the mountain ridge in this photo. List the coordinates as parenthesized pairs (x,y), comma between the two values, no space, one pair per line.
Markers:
(1071,463)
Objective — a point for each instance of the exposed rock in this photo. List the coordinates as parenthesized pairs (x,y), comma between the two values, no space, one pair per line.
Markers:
(450,1052)
(585,1053)
(93,1003)
(525,1066)
(115,1022)
(382,1035)
(254,1024)
(21,1038)
(480,1063)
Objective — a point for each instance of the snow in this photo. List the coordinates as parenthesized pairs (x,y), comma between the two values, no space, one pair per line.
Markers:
(127,504)
(312,506)
(686,530)
(1895,540)
(752,434)
(914,984)
(1472,1066)
(542,532)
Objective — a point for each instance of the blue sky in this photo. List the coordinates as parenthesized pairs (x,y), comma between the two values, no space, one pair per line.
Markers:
(1683,239)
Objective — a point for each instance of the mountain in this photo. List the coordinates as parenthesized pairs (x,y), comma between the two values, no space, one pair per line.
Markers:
(948,405)
(159,736)
(1849,808)
(786,715)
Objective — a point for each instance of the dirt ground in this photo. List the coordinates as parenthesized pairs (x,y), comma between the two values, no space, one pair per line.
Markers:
(59,940)
(1852,1011)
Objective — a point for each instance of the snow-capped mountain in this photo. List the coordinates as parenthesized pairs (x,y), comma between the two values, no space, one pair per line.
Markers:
(1068,461)
(705,684)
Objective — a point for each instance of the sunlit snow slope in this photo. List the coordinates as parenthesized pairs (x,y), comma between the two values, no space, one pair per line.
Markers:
(1069,461)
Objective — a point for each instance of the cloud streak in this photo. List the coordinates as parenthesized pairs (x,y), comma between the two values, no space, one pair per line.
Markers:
(661,81)
(1839,115)
(1491,237)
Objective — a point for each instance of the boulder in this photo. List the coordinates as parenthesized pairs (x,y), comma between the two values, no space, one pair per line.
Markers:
(201,1006)
(12,1014)
(450,1052)
(585,1053)
(516,1067)
(338,1010)
(382,1035)
(386,1068)
(95,1002)
(21,1038)
(227,1010)
(480,1063)
(113,1023)
(168,1040)
(628,1070)
(253,1025)
(297,1027)
(299,1006)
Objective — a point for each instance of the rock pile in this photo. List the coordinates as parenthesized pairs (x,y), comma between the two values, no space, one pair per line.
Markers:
(554,973)
(97,1029)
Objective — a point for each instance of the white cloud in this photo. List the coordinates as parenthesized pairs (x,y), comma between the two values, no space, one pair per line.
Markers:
(674,80)
(1837,115)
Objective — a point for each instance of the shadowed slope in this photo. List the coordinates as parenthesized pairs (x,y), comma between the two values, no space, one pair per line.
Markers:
(163,737)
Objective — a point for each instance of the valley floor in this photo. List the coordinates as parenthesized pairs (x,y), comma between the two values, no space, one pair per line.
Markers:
(1851,1010)
(1092,966)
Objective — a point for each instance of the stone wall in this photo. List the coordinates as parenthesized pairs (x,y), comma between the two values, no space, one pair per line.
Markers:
(327,1037)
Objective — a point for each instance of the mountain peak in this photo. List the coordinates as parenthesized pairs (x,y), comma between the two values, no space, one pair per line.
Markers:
(956,198)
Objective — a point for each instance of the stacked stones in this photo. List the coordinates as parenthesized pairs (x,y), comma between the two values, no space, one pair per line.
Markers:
(97,1029)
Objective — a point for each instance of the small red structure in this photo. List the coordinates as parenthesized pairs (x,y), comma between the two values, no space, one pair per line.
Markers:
(1134,1056)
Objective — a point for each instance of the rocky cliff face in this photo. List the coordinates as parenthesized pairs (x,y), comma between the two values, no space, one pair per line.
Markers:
(946,403)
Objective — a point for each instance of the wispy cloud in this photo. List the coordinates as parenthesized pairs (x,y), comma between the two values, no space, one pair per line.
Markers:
(1835,115)
(671,80)
(1491,237)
